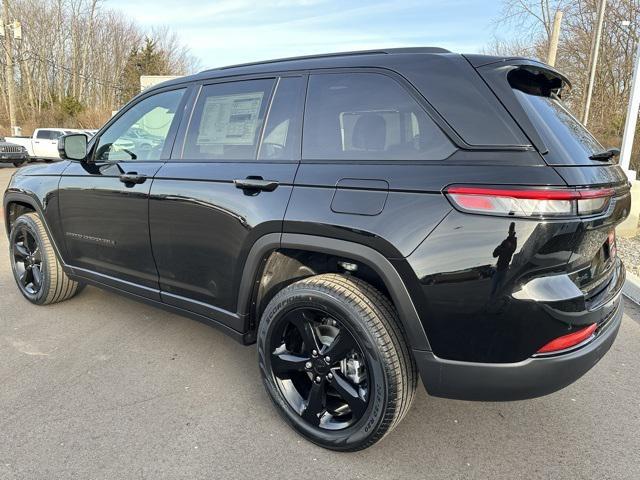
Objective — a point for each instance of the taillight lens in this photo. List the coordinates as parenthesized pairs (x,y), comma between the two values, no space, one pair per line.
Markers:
(569,340)
(529,202)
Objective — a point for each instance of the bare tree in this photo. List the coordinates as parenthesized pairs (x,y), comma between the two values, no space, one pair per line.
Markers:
(618,45)
(71,59)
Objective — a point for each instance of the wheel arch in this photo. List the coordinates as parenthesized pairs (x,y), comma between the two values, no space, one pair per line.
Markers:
(267,250)
(17,203)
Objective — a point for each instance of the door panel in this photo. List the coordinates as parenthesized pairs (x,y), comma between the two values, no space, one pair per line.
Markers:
(209,207)
(203,226)
(105,221)
(50,148)
(104,202)
(44,146)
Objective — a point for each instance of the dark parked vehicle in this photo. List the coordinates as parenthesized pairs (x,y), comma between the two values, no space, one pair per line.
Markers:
(440,215)
(12,153)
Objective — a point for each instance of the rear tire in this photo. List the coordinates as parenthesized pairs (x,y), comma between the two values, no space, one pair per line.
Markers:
(377,398)
(36,268)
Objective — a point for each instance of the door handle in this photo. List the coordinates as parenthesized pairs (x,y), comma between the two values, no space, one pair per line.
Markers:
(256,184)
(133,178)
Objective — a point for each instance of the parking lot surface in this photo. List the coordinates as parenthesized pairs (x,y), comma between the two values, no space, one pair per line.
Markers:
(103,387)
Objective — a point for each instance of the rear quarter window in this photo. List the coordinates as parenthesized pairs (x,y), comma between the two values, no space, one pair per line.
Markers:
(368,116)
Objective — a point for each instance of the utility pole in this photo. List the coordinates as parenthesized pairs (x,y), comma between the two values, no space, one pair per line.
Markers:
(629,228)
(9,72)
(632,119)
(555,36)
(593,63)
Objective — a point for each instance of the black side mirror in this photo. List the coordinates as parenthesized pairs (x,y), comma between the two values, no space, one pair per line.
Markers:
(73,147)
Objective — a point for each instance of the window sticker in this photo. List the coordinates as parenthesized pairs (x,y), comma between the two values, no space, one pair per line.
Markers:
(230,119)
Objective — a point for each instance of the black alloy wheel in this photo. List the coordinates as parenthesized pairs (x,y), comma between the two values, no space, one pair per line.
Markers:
(35,265)
(27,261)
(335,362)
(319,368)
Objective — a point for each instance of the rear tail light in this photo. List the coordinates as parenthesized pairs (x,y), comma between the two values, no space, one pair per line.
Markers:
(529,202)
(569,340)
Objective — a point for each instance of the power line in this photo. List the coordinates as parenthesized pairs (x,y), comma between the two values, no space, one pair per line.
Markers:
(106,83)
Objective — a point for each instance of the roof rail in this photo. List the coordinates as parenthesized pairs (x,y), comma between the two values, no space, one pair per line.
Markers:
(338,54)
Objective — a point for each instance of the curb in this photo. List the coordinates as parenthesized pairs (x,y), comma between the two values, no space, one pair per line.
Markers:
(631,288)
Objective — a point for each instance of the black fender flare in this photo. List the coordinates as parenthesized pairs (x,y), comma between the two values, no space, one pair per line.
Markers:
(372,258)
(22,197)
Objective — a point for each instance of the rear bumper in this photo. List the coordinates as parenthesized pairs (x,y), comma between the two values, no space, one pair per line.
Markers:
(533,377)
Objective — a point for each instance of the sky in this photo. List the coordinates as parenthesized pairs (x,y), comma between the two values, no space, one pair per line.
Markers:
(226,32)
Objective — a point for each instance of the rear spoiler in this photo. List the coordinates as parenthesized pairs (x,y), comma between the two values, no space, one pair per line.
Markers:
(502,75)
(478,61)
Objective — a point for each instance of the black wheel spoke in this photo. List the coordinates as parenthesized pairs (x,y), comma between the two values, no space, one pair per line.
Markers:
(307,329)
(21,251)
(315,404)
(37,276)
(341,346)
(283,364)
(26,278)
(350,394)
(37,258)
(25,241)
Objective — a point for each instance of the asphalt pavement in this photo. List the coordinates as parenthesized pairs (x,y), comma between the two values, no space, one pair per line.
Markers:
(103,387)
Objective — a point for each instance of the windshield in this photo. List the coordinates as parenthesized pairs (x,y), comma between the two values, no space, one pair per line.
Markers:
(565,137)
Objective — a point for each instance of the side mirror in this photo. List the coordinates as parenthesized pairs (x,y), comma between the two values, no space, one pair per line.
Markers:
(73,147)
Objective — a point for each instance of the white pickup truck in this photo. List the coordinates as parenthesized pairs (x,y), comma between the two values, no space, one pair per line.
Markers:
(44,142)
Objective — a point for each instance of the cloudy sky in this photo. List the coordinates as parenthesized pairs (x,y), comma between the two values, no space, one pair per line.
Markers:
(225,32)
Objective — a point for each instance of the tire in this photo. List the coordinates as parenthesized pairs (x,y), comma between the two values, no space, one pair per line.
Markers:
(353,307)
(53,285)
(19,164)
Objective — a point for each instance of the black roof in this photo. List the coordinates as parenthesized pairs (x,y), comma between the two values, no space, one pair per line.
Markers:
(364,58)
(386,51)
(325,60)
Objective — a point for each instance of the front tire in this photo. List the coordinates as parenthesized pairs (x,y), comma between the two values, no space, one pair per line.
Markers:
(334,361)
(36,269)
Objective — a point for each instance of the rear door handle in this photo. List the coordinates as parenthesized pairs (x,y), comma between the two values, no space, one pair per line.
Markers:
(133,178)
(256,184)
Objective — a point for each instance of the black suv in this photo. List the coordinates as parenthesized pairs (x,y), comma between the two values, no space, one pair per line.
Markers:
(12,153)
(364,217)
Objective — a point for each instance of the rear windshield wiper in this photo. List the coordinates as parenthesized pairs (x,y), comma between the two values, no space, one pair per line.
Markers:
(605,155)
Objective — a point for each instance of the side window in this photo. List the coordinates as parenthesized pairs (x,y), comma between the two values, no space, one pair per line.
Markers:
(281,137)
(368,116)
(43,134)
(140,133)
(227,120)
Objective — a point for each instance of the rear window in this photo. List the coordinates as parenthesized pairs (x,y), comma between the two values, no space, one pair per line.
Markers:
(565,137)
(368,116)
